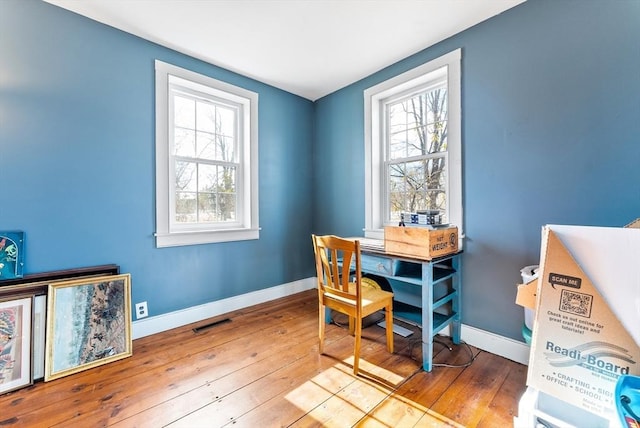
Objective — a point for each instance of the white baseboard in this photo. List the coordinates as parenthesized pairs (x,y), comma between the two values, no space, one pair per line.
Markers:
(160,323)
(498,345)
(487,341)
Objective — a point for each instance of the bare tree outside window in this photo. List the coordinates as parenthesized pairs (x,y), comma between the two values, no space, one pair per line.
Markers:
(417,153)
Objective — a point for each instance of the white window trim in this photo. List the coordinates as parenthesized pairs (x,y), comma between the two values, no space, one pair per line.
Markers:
(249,228)
(373,128)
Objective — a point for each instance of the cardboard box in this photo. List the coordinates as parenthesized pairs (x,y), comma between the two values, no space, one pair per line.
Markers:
(527,293)
(586,332)
(420,242)
(634,224)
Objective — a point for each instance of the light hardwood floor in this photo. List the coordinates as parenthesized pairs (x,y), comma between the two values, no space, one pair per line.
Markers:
(262,369)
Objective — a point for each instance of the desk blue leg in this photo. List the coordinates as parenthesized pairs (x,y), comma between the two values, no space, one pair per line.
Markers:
(427,316)
(457,302)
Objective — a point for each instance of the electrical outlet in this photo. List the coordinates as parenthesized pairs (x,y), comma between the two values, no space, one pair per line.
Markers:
(141,310)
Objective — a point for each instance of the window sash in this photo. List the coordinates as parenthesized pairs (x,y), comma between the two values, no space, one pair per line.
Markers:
(420,194)
(406,126)
(176,90)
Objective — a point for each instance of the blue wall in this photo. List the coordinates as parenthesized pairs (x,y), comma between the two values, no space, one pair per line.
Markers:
(77,162)
(551,130)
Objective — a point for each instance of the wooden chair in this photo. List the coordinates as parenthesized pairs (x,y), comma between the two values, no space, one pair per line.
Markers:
(338,261)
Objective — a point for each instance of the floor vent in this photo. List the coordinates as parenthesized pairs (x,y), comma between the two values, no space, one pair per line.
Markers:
(211,324)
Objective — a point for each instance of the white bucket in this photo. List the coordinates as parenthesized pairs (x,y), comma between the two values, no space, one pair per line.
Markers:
(529,273)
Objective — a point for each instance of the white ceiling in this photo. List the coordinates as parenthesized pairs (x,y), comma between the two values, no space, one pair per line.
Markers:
(307,47)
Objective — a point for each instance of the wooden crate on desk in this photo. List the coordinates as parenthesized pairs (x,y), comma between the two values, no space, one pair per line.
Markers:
(420,242)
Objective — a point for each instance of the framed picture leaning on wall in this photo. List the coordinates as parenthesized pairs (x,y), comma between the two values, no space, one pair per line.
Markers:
(39,327)
(15,343)
(88,324)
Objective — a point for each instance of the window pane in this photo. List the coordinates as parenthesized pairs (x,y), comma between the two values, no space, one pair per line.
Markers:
(426,108)
(206,146)
(417,111)
(415,142)
(184,112)
(398,145)
(396,200)
(207,178)
(437,137)
(227,205)
(407,122)
(397,118)
(186,207)
(226,179)
(227,149)
(184,142)
(207,207)
(437,105)
(436,173)
(436,200)
(397,173)
(398,188)
(431,200)
(406,144)
(226,121)
(206,117)
(215,147)
(416,186)
(186,176)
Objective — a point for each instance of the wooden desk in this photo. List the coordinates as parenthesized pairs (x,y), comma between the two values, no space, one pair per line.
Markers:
(427,293)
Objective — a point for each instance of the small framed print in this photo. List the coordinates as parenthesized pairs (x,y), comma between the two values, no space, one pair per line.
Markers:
(15,343)
(88,324)
(11,255)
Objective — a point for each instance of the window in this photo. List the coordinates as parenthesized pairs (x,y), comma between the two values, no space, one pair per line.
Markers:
(413,154)
(206,159)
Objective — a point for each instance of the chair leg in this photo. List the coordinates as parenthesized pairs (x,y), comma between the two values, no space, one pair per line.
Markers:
(321,329)
(356,351)
(351,325)
(388,313)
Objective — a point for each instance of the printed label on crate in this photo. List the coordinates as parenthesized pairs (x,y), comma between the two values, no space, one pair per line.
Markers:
(579,347)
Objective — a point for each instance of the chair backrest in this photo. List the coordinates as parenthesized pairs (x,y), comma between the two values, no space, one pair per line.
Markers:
(338,261)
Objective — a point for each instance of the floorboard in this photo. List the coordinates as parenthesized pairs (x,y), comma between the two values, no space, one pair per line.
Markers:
(262,369)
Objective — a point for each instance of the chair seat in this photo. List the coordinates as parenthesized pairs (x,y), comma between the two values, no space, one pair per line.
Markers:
(373,300)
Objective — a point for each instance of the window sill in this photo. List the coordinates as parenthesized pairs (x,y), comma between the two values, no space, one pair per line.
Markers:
(196,238)
(374,233)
